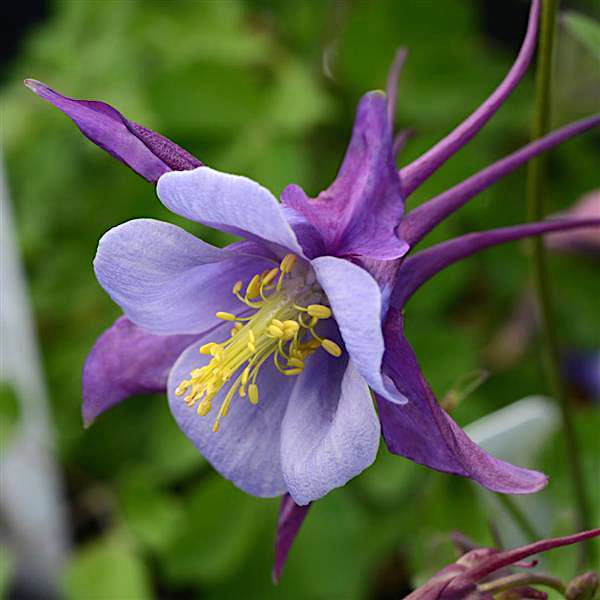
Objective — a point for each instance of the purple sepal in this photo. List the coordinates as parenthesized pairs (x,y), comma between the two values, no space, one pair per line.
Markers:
(422,431)
(125,361)
(419,170)
(460,579)
(392,83)
(148,153)
(358,214)
(420,221)
(291,517)
(422,266)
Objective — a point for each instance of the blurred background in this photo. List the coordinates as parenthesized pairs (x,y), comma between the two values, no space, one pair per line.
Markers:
(268,88)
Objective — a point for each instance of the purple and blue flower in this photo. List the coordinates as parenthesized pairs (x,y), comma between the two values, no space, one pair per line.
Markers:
(270,349)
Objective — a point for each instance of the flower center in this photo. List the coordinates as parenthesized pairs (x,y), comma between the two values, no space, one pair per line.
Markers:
(283,308)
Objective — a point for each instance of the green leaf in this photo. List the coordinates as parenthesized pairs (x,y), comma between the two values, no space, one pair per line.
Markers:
(220,526)
(585,29)
(153,516)
(107,568)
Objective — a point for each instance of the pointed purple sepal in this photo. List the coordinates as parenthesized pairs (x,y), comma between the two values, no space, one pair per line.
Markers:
(359,212)
(291,517)
(421,220)
(125,361)
(422,266)
(423,432)
(148,153)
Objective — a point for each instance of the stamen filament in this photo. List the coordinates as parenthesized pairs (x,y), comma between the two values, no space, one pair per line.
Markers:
(282,325)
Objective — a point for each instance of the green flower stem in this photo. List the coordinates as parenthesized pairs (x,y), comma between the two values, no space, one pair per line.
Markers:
(535,177)
(517,580)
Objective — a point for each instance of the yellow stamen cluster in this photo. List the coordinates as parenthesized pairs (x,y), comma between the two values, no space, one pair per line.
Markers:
(279,328)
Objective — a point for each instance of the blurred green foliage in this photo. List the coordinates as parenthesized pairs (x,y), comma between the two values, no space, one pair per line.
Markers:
(268,89)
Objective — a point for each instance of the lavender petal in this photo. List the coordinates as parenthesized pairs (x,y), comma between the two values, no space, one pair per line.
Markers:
(246,448)
(166,280)
(330,432)
(229,203)
(356,302)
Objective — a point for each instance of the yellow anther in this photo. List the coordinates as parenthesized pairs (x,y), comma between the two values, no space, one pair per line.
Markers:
(215,426)
(204,407)
(216,351)
(319,311)
(270,276)
(253,288)
(182,387)
(237,287)
(275,331)
(292,371)
(253,393)
(277,323)
(207,348)
(288,262)
(296,362)
(331,347)
(291,325)
(225,316)
(251,337)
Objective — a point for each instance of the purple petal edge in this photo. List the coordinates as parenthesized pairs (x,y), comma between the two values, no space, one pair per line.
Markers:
(125,361)
(422,266)
(418,222)
(423,432)
(146,152)
(416,172)
(291,517)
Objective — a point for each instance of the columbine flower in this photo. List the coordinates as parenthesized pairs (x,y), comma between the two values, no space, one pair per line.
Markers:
(481,574)
(268,348)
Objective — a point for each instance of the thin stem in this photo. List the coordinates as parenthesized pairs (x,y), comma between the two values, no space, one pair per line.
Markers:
(519,517)
(510,582)
(535,177)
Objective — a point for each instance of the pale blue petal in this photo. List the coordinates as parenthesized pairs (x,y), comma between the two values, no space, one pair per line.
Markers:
(230,203)
(356,303)
(166,280)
